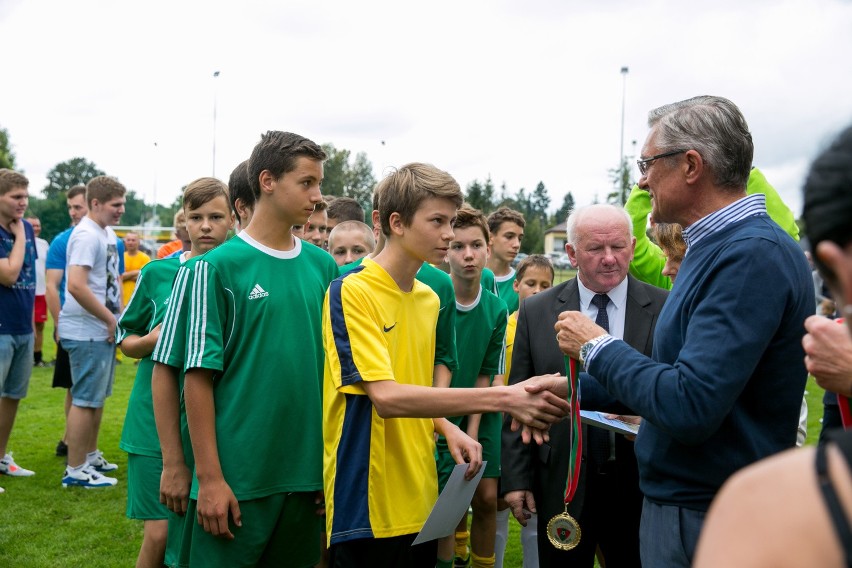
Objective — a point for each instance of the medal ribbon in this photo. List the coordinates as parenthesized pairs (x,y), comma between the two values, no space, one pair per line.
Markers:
(575,430)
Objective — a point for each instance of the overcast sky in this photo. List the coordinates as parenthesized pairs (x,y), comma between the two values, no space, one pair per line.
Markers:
(521,91)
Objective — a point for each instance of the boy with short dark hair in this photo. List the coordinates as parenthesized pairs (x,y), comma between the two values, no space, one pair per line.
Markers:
(241,194)
(208,220)
(17,300)
(379,406)
(57,259)
(340,210)
(480,341)
(87,329)
(264,283)
(507,232)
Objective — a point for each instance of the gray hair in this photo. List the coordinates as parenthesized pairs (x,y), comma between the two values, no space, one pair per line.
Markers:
(715,128)
(574,217)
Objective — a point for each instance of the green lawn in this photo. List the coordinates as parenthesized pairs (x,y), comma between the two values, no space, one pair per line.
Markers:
(46,526)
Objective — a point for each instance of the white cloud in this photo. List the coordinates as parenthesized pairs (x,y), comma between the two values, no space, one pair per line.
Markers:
(521,91)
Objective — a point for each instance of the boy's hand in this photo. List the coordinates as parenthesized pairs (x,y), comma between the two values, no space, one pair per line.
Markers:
(522,504)
(215,502)
(174,488)
(111,325)
(536,406)
(463,448)
(17,229)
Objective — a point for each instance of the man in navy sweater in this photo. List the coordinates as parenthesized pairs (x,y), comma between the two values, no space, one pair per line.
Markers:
(724,384)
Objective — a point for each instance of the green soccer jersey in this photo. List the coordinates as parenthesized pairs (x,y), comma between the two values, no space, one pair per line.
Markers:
(487,280)
(145,310)
(481,337)
(171,344)
(506,290)
(255,320)
(445,332)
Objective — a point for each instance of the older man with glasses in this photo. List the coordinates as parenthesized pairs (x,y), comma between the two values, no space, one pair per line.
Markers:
(724,384)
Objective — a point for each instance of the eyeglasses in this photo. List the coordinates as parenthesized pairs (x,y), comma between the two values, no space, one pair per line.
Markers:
(644,164)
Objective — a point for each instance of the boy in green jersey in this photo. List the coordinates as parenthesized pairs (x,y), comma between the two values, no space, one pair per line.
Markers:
(379,405)
(481,319)
(507,231)
(242,195)
(253,366)
(208,220)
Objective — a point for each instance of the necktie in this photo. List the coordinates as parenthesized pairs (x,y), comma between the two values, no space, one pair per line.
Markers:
(602,442)
(600,301)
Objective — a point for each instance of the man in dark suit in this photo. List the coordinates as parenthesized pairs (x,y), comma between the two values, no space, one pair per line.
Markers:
(608,502)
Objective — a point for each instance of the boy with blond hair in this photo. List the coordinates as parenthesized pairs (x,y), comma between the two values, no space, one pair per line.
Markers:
(380,410)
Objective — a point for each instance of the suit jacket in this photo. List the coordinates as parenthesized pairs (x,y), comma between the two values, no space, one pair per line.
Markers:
(544,469)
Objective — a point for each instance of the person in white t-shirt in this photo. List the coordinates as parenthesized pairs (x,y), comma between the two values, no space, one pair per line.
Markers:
(87,329)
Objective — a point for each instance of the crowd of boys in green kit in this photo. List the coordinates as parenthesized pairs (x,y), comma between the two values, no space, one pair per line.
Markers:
(234,474)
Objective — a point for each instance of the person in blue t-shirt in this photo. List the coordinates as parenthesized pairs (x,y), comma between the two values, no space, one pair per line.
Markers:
(17,301)
(75,199)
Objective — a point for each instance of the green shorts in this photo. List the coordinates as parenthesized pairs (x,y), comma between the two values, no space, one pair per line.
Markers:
(282,530)
(179,540)
(143,488)
(490,428)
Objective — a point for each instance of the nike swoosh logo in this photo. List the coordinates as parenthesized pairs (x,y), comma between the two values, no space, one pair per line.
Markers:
(387,329)
(441,309)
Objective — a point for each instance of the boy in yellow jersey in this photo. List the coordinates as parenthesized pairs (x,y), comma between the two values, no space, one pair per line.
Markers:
(379,408)
(480,341)
(533,275)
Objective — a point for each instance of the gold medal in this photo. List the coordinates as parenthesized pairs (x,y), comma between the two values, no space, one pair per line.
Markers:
(563,531)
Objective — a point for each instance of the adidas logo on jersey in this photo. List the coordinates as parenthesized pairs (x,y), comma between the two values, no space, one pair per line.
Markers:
(258,292)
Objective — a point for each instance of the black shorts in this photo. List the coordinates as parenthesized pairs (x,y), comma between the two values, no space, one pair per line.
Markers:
(383,553)
(62,369)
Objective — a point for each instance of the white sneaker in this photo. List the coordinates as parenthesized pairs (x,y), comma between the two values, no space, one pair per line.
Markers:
(100,464)
(10,468)
(88,478)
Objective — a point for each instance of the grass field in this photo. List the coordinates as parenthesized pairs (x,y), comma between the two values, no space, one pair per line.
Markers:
(45,526)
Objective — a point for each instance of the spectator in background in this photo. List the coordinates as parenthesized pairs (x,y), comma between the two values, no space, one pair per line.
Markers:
(40,312)
(87,329)
(134,260)
(75,199)
(17,298)
(181,243)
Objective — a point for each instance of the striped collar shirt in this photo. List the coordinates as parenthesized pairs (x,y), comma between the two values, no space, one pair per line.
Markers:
(748,206)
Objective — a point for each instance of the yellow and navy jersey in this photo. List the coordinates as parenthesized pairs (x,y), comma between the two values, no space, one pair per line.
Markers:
(511,328)
(379,474)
